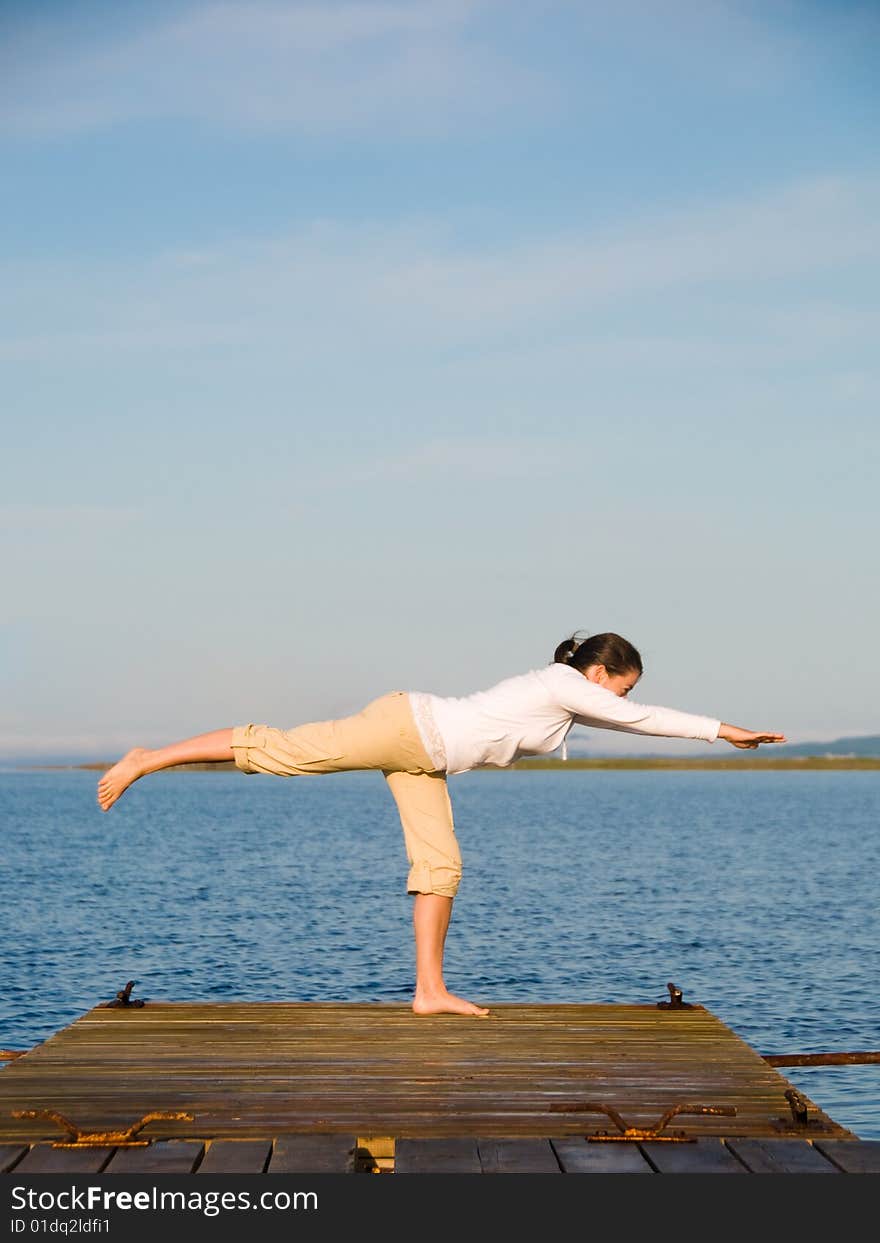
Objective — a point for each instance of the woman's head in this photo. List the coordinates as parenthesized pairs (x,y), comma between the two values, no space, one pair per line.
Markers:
(608,659)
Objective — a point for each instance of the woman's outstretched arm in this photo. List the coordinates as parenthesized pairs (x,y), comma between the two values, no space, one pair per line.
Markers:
(595,705)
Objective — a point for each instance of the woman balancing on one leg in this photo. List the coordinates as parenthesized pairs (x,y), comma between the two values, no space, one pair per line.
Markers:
(416,740)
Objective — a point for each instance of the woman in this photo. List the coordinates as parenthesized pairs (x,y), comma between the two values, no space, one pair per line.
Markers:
(417,739)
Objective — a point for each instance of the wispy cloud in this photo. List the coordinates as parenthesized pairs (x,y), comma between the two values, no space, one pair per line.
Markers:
(464,458)
(42,518)
(808,228)
(309,68)
(398,67)
(332,286)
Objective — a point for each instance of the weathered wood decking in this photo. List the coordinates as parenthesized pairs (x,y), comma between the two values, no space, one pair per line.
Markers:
(296,1087)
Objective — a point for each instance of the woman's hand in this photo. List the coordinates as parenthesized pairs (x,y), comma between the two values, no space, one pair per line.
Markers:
(745,737)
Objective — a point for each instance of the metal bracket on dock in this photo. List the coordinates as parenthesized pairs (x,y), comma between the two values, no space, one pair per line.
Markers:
(100,1139)
(675,1001)
(124,997)
(633,1134)
(800,1120)
(800,1110)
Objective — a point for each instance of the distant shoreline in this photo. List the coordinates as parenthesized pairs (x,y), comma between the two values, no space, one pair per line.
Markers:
(801,762)
(804,763)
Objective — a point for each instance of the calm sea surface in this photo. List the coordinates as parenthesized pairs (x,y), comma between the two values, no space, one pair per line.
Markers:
(756,893)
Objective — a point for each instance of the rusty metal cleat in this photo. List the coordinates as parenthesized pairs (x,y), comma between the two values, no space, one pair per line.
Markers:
(634,1134)
(101,1139)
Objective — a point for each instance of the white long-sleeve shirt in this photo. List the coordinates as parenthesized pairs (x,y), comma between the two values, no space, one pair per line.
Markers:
(530,714)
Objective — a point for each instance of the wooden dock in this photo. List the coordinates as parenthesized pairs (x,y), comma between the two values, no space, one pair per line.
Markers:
(334,1087)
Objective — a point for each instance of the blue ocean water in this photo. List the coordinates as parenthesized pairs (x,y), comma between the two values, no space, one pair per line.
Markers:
(754,892)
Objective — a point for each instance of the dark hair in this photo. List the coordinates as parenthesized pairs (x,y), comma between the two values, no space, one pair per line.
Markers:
(611,650)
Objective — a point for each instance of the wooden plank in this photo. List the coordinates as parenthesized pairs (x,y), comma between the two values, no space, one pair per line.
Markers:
(517,1156)
(312,1154)
(236,1156)
(44,1159)
(258,1070)
(703,1156)
(9,1155)
(164,1157)
(852,1156)
(576,1156)
(437,1156)
(781,1156)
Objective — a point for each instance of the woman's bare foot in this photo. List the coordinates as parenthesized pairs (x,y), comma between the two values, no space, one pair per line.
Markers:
(117,779)
(446,1003)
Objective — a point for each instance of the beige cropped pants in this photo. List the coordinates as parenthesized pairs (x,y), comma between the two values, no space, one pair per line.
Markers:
(382,736)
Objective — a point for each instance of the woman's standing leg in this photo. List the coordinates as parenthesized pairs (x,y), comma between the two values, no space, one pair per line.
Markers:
(202,749)
(435,871)
(431,915)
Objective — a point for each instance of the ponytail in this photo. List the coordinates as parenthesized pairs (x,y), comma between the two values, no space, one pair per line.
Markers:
(611,650)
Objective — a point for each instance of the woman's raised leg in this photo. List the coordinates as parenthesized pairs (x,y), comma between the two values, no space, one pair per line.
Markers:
(202,749)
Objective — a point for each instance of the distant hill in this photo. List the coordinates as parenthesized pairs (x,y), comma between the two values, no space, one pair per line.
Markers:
(866,744)
(863,745)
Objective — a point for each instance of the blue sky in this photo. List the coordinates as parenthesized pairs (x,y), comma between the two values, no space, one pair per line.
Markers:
(355,346)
